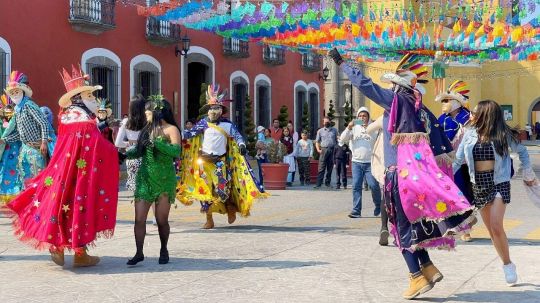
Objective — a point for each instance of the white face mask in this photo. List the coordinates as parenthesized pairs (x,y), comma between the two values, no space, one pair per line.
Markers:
(91,104)
(17,99)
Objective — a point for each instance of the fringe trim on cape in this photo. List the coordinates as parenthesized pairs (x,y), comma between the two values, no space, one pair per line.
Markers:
(42,245)
(408,138)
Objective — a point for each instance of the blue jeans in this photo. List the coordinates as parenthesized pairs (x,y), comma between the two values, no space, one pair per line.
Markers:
(359,170)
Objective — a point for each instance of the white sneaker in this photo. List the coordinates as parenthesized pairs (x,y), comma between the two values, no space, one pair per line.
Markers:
(510,274)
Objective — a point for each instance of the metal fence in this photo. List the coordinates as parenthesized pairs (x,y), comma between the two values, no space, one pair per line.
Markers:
(165,29)
(311,62)
(146,82)
(4,71)
(273,55)
(96,11)
(106,76)
(235,47)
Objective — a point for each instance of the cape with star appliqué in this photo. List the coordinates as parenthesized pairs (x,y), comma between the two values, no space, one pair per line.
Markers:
(74,199)
(196,182)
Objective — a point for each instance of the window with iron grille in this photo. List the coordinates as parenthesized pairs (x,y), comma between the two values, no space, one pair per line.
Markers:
(263,105)
(4,70)
(107,77)
(96,11)
(300,99)
(146,82)
(313,113)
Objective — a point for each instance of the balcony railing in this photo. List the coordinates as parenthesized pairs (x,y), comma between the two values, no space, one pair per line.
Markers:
(273,55)
(92,16)
(235,48)
(311,62)
(162,33)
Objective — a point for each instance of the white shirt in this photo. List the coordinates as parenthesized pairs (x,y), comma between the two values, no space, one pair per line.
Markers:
(215,143)
(360,143)
(125,136)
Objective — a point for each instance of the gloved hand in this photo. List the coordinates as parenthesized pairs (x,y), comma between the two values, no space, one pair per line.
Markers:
(334,54)
(243,149)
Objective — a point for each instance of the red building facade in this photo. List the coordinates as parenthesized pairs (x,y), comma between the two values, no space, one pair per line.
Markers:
(129,54)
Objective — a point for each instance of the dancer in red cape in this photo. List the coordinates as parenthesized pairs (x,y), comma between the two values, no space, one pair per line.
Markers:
(74,199)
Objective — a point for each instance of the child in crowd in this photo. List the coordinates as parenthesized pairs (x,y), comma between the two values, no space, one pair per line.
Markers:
(287,140)
(342,157)
(304,153)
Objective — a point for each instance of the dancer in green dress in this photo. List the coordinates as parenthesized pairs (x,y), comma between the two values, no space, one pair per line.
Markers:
(158,145)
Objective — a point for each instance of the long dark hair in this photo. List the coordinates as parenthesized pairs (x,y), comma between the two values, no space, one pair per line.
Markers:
(161,110)
(490,125)
(136,119)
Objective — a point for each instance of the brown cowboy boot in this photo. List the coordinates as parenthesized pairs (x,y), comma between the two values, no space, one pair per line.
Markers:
(432,274)
(209,221)
(231,212)
(82,259)
(417,285)
(57,256)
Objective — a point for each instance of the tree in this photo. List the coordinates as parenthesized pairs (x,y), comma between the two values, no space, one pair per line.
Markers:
(202,100)
(305,117)
(249,128)
(283,116)
(347,110)
(331,113)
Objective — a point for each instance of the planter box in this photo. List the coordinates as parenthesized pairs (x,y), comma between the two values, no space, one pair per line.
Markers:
(313,171)
(275,175)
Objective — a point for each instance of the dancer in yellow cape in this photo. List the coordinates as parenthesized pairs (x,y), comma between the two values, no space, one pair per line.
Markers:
(213,169)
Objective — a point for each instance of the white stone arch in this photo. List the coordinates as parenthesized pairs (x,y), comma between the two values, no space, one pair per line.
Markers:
(298,85)
(261,78)
(235,75)
(4,45)
(183,80)
(103,52)
(140,59)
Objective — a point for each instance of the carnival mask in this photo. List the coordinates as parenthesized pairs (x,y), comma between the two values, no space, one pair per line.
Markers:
(16,95)
(450,105)
(90,101)
(215,112)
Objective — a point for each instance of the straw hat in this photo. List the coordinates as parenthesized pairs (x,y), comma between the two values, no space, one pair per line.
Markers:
(456,91)
(408,70)
(75,83)
(20,81)
(215,96)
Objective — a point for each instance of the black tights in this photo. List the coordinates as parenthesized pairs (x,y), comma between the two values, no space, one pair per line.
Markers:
(162,218)
(414,260)
(384,214)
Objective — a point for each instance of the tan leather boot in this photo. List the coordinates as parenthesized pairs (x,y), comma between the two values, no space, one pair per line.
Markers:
(417,286)
(57,256)
(231,212)
(209,221)
(432,274)
(82,259)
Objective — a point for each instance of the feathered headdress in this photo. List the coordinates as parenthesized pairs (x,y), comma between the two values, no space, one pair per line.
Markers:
(105,105)
(20,81)
(458,91)
(215,96)
(408,69)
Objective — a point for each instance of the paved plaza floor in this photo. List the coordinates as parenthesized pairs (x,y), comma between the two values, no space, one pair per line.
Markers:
(298,246)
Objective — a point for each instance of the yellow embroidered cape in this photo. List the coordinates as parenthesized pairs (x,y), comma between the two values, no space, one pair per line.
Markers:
(196,179)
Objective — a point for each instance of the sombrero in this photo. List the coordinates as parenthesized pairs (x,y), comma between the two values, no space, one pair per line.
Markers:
(408,69)
(20,81)
(456,91)
(215,96)
(75,83)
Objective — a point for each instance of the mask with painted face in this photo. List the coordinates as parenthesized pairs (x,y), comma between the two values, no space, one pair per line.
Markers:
(214,113)
(449,106)
(16,95)
(17,99)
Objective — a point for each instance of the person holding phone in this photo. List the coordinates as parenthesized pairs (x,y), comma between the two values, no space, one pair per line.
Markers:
(361,145)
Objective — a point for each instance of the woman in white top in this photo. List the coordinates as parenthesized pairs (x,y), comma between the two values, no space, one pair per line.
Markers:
(128,135)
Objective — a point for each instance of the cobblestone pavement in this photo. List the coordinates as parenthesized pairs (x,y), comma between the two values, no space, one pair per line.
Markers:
(298,246)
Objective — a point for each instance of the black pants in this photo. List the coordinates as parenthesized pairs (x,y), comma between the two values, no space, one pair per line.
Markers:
(326,163)
(303,169)
(341,173)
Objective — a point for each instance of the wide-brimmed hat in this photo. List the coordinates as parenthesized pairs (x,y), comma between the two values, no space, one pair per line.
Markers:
(456,91)
(20,81)
(215,96)
(409,69)
(75,83)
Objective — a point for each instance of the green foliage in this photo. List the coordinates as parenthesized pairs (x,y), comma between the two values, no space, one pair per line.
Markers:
(202,100)
(275,152)
(249,128)
(331,113)
(348,113)
(283,116)
(305,117)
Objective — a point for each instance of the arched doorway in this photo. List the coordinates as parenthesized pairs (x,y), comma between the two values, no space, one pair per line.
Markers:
(239,95)
(197,75)
(314,117)
(5,63)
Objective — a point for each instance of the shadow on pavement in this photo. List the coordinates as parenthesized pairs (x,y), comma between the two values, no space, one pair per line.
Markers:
(524,296)
(511,242)
(117,265)
(264,229)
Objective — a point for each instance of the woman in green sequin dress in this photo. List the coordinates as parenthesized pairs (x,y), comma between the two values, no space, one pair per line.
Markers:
(158,145)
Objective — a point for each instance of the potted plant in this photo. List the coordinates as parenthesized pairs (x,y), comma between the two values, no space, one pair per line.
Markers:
(275,171)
